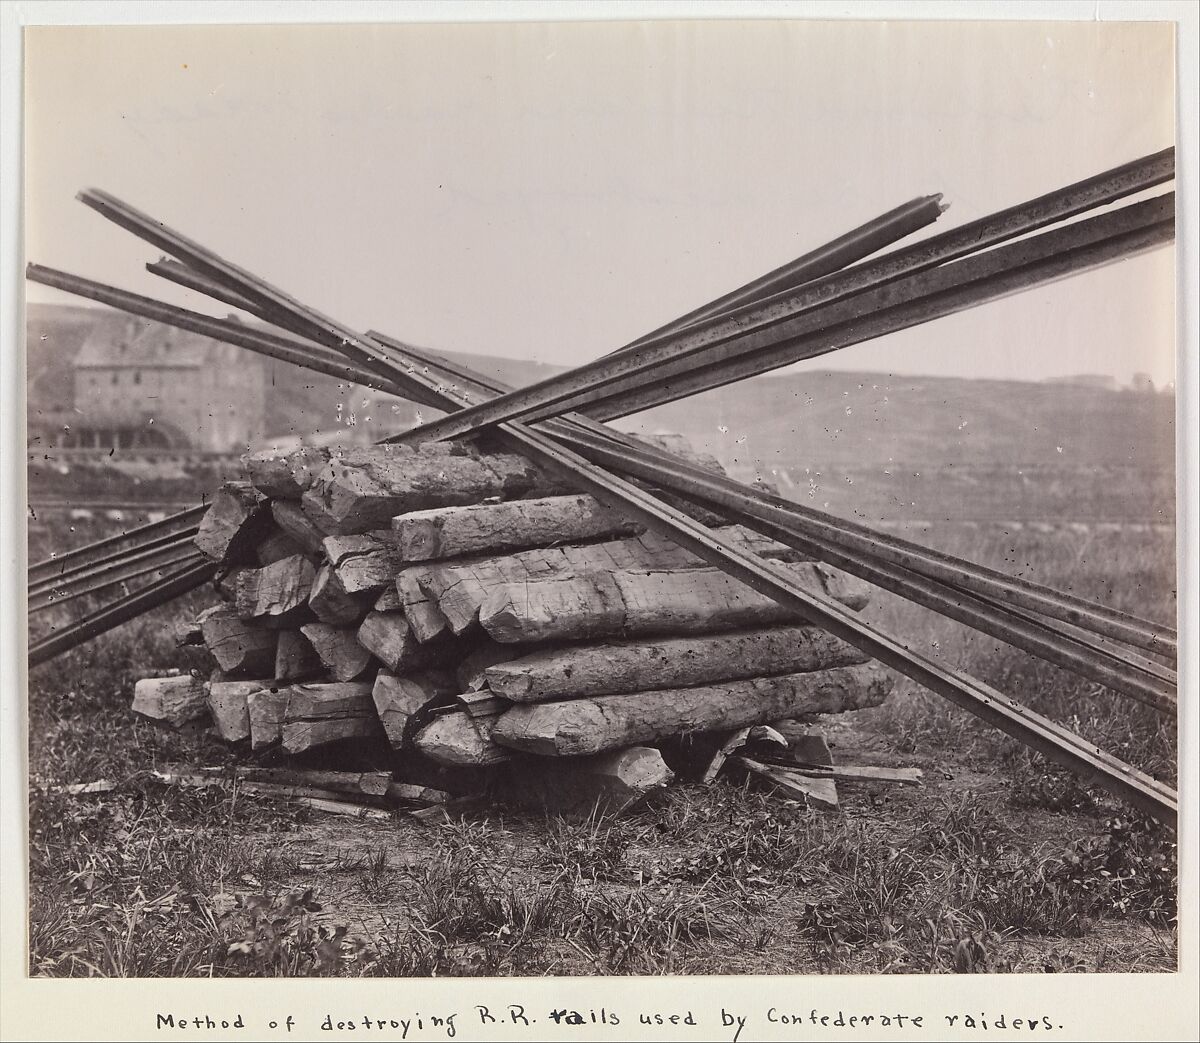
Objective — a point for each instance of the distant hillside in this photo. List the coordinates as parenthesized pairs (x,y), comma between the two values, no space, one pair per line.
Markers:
(794,421)
(872,418)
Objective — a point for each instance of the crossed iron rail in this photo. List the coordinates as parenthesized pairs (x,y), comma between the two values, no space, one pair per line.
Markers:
(825,300)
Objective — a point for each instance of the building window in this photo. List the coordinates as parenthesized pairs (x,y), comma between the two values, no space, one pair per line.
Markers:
(116,378)
(137,376)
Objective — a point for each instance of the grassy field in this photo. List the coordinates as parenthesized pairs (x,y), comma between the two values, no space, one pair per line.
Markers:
(1000,862)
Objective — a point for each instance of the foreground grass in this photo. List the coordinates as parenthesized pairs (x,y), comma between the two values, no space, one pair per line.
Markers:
(1084,563)
(1021,868)
(159,882)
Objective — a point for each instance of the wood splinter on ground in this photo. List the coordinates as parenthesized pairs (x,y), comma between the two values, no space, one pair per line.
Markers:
(799,763)
(817,793)
(358,794)
(174,701)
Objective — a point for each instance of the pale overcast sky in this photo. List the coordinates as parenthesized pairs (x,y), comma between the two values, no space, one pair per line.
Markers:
(552,191)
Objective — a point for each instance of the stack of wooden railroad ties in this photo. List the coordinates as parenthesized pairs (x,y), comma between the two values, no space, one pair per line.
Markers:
(547,634)
(516,590)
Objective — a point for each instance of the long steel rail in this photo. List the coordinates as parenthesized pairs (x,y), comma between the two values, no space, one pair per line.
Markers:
(125,565)
(1060,743)
(114,578)
(57,565)
(839,253)
(1142,680)
(855,245)
(1104,621)
(900,305)
(91,569)
(177,583)
(910,261)
(957,572)
(1152,637)
(645,462)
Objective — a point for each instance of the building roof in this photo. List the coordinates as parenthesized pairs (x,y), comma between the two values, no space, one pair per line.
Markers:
(147,345)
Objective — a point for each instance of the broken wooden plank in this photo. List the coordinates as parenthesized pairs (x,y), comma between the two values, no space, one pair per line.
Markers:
(338,648)
(866,773)
(233,525)
(319,714)
(293,521)
(482,704)
(766,736)
(173,701)
(460,588)
(398,698)
(590,606)
(679,662)
(408,793)
(420,609)
(364,489)
(285,474)
(274,790)
(276,595)
(609,783)
(239,648)
(390,638)
(815,792)
(587,726)
(365,783)
(266,709)
(449,810)
(343,807)
(454,739)
(330,602)
(227,704)
(453,532)
(850,772)
(295,658)
(689,756)
(794,729)
(364,563)
(731,745)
